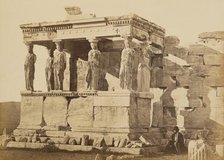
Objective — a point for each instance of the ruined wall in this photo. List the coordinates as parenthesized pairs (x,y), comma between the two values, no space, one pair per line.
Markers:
(192,82)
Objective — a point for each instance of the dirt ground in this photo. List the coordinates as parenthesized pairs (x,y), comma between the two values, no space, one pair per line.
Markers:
(18,154)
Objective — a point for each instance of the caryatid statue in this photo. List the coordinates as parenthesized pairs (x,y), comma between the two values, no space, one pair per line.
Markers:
(143,76)
(29,67)
(49,70)
(59,65)
(126,68)
(93,73)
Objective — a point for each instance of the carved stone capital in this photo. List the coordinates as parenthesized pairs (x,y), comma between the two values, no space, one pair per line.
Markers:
(127,37)
(58,41)
(92,40)
(28,43)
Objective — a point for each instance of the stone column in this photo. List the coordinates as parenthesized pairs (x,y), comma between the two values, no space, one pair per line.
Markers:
(61,67)
(128,67)
(94,66)
(67,75)
(49,70)
(29,66)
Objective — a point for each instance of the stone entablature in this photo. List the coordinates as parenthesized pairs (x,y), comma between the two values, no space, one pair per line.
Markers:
(130,24)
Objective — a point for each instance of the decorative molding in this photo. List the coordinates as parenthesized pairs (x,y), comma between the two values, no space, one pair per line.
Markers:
(120,93)
(59,93)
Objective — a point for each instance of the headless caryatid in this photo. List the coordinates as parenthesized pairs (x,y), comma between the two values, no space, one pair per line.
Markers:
(93,73)
(59,65)
(29,67)
(127,56)
(49,71)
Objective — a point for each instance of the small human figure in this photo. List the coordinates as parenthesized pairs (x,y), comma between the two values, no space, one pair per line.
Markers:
(125,75)
(29,67)
(59,66)
(49,71)
(93,74)
(176,144)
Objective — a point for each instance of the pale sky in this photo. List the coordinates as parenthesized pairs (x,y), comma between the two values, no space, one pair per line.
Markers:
(183,18)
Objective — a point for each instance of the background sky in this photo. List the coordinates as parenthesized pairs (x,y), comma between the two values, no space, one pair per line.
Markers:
(183,18)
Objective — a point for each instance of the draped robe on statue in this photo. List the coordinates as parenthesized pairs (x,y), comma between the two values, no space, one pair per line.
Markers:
(125,74)
(29,68)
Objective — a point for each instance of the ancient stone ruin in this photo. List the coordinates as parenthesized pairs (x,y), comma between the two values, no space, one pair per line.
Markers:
(119,82)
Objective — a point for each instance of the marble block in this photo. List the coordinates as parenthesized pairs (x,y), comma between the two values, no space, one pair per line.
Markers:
(144,112)
(55,111)
(80,112)
(31,112)
(111,117)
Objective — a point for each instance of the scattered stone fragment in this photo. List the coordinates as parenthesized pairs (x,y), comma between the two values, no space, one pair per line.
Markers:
(12,138)
(23,139)
(34,138)
(50,142)
(116,142)
(95,141)
(143,140)
(72,141)
(90,142)
(126,157)
(4,139)
(42,134)
(122,143)
(43,139)
(109,141)
(99,157)
(99,142)
(78,140)
(29,139)
(66,139)
(17,138)
(129,144)
(139,144)
(155,141)
(85,139)
(111,157)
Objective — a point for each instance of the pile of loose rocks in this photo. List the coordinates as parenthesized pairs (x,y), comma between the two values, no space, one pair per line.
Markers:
(84,140)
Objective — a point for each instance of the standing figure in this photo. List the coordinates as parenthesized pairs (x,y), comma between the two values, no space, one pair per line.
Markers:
(125,75)
(59,66)
(93,73)
(49,71)
(176,144)
(29,67)
(143,76)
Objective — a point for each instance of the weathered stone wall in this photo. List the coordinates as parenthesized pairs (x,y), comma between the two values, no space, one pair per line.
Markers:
(213,40)
(192,82)
(103,112)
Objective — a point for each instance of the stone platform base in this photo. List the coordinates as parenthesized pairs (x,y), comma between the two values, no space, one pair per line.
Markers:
(78,148)
(97,113)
